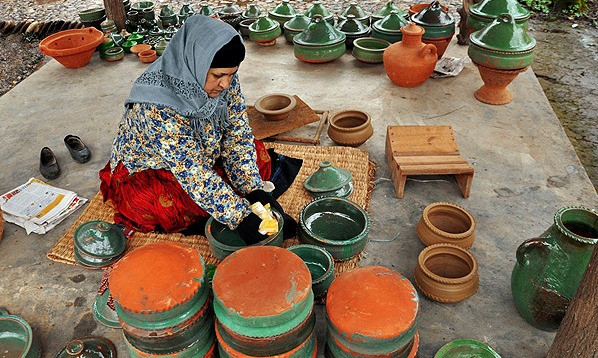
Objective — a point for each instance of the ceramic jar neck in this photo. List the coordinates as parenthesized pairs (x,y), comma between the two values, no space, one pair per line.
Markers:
(412,35)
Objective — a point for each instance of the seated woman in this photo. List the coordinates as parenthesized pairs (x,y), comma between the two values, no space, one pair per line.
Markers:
(184,150)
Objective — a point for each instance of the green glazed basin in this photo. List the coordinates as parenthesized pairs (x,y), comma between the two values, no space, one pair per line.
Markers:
(319,43)
(282,13)
(327,178)
(16,337)
(224,241)
(264,29)
(369,49)
(438,23)
(296,25)
(317,8)
(88,347)
(386,10)
(357,11)
(502,45)
(202,347)
(337,224)
(476,22)
(320,264)
(99,239)
(466,348)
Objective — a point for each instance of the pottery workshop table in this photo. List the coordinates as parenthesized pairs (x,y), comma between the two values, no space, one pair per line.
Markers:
(525,170)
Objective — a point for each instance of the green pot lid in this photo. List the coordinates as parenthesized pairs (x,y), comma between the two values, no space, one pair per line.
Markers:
(319,33)
(466,348)
(230,9)
(327,178)
(299,22)
(433,15)
(352,26)
(262,24)
(205,9)
(493,8)
(355,10)
(252,11)
(317,8)
(100,239)
(391,23)
(386,10)
(503,34)
(166,11)
(89,347)
(283,9)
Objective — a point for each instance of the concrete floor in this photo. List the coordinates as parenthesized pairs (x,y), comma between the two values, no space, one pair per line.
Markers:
(525,169)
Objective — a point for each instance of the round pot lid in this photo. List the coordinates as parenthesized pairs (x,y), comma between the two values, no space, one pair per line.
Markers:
(317,8)
(352,26)
(355,10)
(463,348)
(283,9)
(327,178)
(262,24)
(319,33)
(100,239)
(391,23)
(503,34)
(103,313)
(252,11)
(299,22)
(88,347)
(387,9)
(230,9)
(493,8)
(433,15)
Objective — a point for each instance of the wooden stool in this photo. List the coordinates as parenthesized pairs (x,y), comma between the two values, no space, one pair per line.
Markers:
(425,150)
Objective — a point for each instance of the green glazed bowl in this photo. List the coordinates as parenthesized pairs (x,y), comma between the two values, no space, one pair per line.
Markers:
(88,347)
(319,43)
(320,264)
(91,15)
(466,348)
(386,10)
(244,26)
(16,337)
(296,25)
(99,239)
(264,30)
(369,49)
(141,5)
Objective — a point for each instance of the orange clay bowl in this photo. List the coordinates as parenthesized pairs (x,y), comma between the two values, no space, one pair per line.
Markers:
(72,48)
(136,49)
(147,56)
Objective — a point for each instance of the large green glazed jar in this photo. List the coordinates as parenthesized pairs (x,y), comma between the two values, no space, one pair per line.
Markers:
(502,45)
(319,43)
(357,11)
(389,28)
(436,21)
(264,31)
(317,8)
(386,10)
(282,13)
(483,13)
(295,25)
(549,268)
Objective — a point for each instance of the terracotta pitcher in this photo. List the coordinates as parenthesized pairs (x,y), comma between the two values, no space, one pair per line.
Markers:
(409,62)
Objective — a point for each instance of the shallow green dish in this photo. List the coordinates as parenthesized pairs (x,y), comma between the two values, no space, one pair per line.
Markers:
(466,348)
(104,314)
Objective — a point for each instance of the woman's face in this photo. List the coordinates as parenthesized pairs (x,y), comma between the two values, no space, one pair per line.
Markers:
(218,79)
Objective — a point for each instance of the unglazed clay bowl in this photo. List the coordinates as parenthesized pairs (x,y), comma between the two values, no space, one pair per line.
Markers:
(147,56)
(72,48)
(224,241)
(136,49)
(350,127)
(337,224)
(275,106)
(446,223)
(320,264)
(369,49)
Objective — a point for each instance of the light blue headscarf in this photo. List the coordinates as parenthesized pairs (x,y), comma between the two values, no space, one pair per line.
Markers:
(177,78)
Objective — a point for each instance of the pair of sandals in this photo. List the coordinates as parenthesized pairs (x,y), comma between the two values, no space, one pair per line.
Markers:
(48,165)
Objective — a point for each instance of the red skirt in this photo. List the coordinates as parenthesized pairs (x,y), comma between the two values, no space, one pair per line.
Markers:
(153,200)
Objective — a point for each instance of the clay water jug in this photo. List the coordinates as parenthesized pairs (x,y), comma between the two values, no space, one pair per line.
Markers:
(409,62)
(549,268)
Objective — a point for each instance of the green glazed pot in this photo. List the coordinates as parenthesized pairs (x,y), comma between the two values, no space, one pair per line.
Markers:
(484,12)
(206,9)
(320,264)
(357,11)
(386,10)
(204,346)
(252,12)
(389,28)
(337,224)
(327,178)
(141,5)
(244,26)
(438,23)
(502,45)
(319,43)
(127,45)
(99,239)
(369,49)
(17,338)
(264,31)
(296,25)
(282,13)
(353,29)
(317,8)
(465,348)
(231,13)
(549,268)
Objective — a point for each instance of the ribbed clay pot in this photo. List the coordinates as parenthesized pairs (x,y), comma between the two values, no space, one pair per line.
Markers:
(446,273)
(276,106)
(350,127)
(495,89)
(446,223)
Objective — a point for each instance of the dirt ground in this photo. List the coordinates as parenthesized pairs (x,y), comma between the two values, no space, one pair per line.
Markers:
(565,64)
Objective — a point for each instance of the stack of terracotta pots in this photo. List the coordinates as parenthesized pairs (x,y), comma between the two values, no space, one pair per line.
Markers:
(161,297)
(372,312)
(263,302)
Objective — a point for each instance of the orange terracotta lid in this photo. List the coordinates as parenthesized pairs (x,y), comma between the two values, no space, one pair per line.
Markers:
(156,277)
(372,301)
(261,281)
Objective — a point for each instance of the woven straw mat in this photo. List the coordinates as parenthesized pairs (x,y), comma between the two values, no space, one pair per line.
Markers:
(293,200)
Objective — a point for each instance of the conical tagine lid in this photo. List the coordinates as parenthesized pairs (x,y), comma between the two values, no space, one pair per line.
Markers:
(327,178)
(503,34)
(433,15)
(493,8)
(391,23)
(319,33)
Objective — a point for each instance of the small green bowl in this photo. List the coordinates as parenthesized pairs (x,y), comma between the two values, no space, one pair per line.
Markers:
(127,45)
(320,264)
(114,54)
(91,15)
(369,49)
(464,348)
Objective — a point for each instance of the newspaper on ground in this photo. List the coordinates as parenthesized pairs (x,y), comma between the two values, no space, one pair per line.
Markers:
(38,207)
(449,66)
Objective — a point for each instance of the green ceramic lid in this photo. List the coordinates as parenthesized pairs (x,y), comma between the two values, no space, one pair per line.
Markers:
(386,9)
(493,8)
(319,33)
(100,239)
(352,26)
(503,34)
(262,24)
(466,348)
(205,9)
(327,178)
(252,11)
(317,8)
(391,23)
(230,9)
(355,10)
(299,22)
(89,347)
(283,9)
(166,11)
(433,15)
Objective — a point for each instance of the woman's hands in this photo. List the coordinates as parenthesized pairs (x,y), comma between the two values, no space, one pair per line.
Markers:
(249,229)
(290,225)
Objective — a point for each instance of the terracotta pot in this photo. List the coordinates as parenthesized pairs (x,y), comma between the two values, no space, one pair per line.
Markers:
(446,223)
(494,90)
(446,273)
(72,48)
(350,127)
(410,62)
(147,56)
(372,312)
(276,106)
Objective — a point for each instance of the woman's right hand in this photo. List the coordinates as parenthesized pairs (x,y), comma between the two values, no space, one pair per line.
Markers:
(249,229)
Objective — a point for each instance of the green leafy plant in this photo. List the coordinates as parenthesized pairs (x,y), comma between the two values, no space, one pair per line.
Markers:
(574,8)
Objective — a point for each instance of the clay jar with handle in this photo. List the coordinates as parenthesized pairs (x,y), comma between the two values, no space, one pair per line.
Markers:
(409,62)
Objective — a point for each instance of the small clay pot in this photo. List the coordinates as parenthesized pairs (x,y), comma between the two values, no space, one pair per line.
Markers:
(446,273)
(446,223)
(136,49)
(350,127)
(147,56)
(276,106)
